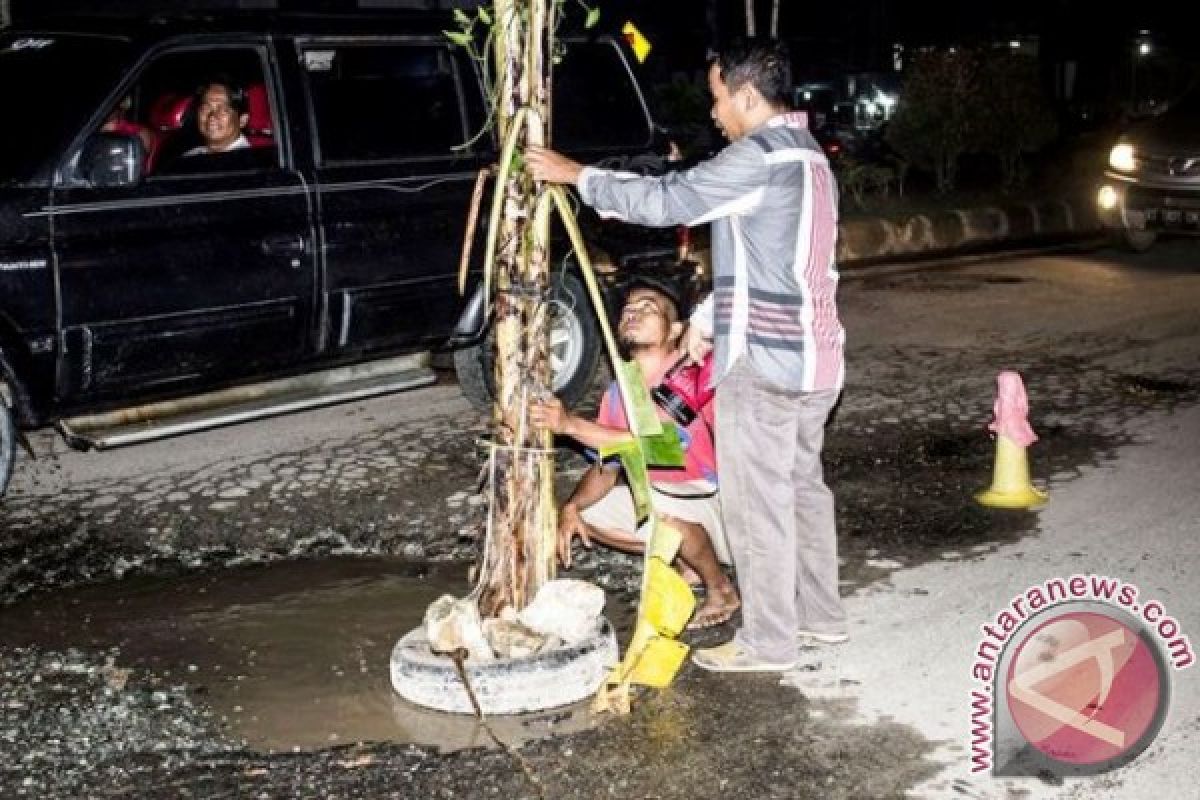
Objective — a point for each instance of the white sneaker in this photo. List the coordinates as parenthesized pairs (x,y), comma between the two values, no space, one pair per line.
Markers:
(816,637)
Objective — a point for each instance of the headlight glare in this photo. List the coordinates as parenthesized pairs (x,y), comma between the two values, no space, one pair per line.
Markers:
(1122,158)
(1107,198)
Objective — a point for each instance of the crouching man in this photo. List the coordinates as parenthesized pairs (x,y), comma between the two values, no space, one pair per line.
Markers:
(601,507)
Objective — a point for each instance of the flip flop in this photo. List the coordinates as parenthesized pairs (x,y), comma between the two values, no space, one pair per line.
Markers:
(712,617)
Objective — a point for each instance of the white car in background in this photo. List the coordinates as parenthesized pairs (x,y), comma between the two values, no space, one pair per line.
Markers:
(1152,184)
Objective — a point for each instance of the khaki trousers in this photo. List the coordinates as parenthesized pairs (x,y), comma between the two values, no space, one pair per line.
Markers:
(778,511)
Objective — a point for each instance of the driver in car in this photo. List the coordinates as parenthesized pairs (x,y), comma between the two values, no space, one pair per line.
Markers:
(222,110)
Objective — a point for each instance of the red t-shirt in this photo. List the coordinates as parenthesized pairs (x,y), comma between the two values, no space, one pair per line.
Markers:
(699,457)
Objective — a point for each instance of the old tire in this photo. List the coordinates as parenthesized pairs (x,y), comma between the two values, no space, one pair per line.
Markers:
(8,443)
(574,349)
(511,686)
(1136,241)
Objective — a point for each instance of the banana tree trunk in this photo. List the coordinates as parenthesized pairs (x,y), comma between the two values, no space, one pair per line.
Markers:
(519,554)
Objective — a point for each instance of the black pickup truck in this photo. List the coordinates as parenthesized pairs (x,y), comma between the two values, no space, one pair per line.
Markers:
(146,293)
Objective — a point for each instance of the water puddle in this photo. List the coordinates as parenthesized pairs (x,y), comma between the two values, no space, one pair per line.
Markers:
(289,656)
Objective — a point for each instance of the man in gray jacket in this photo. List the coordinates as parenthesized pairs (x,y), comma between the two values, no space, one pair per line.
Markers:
(772,201)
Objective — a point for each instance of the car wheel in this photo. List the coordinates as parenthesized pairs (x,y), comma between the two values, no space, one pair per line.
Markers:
(1137,241)
(574,349)
(8,443)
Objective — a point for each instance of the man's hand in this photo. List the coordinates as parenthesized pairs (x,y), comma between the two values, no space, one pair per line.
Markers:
(697,344)
(551,167)
(570,525)
(550,415)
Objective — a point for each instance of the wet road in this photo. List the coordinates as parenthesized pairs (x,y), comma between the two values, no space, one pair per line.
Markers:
(1108,345)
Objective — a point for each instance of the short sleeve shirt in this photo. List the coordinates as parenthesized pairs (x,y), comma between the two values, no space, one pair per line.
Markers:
(699,460)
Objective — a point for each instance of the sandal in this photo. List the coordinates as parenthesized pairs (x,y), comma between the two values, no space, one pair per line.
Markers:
(710,616)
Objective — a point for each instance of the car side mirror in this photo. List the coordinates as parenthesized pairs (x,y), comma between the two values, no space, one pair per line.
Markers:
(112,160)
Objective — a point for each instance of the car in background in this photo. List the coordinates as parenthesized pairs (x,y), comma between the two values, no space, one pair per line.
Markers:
(147,292)
(1151,187)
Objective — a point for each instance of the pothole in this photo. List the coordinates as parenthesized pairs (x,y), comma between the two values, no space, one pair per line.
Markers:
(1141,384)
(940,281)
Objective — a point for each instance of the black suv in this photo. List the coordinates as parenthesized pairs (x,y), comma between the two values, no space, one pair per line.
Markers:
(145,292)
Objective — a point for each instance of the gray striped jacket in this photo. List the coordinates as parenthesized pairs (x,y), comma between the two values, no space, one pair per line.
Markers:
(772,201)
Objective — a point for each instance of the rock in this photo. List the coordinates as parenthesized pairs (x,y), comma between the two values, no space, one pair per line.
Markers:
(451,624)
(567,609)
(512,639)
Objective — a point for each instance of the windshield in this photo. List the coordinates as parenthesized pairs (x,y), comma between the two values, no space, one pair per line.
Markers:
(52,83)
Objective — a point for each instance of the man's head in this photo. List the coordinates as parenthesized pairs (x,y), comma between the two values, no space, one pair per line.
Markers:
(650,317)
(221,113)
(749,82)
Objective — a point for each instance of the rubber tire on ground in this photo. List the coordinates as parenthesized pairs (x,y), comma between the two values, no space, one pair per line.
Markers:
(510,686)
(1136,241)
(474,365)
(8,445)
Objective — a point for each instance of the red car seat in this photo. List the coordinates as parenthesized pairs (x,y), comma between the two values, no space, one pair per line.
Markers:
(259,129)
(166,118)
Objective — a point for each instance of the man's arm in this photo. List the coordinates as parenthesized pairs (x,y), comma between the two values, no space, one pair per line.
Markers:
(730,183)
(698,338)
(552,416)
(594,485)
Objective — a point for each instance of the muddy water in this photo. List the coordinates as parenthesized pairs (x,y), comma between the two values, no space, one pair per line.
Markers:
(289,656)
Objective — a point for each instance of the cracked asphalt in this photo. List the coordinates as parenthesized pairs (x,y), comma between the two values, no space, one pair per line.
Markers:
(101,703)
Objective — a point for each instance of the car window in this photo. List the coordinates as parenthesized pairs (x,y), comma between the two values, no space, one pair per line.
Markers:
(383,102)
(56,81)
(596,103)
(166,107)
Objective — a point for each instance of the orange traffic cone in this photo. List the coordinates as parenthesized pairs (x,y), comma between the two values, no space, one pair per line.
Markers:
(1011,486)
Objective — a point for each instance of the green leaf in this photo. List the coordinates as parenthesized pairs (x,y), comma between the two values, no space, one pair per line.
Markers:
(461,38)
(461,18)
(663,449)
(639,408)
(484,16)
(593,16)
(517,165)
(636,477)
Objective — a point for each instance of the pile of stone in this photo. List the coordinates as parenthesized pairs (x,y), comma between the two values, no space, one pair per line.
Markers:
(563,613)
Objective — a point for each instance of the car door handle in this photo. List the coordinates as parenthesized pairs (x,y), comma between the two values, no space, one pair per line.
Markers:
(282,244)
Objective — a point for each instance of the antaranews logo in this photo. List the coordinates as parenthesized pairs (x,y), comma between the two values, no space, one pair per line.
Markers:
(1072,678)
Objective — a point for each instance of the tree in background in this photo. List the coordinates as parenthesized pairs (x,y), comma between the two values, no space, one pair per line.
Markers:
(1014,117)
(938,113)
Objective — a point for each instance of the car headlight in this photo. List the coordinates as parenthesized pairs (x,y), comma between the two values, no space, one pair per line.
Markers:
(1122,158)
(1107,198)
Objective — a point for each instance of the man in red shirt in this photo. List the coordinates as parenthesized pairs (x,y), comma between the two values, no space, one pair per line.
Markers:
(601,507)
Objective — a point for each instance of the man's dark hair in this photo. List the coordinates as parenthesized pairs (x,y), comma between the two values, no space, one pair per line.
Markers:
(763,63)
(238,100)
